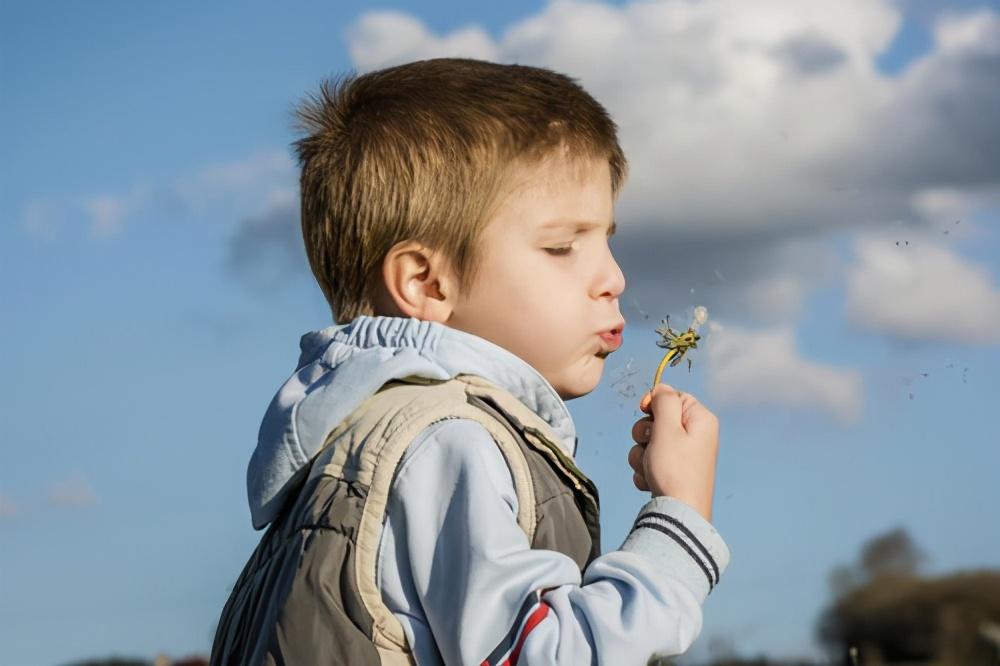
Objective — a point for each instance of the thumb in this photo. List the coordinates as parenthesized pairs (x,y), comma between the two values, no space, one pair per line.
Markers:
(664,403)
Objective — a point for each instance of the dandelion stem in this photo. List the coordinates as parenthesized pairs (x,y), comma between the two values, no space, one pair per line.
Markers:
(663,364)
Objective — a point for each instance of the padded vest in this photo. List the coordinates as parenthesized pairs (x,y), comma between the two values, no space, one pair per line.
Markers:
(309,594)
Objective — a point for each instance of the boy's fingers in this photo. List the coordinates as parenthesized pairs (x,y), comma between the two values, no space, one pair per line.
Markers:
(635,455)
(639,482)
(644,402)
(700,419)
(665,405)
(639,430)
(696,415)
(688,402)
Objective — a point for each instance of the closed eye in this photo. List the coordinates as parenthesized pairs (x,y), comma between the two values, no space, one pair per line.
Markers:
(559,251)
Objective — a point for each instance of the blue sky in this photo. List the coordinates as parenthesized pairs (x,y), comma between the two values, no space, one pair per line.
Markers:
(153,296)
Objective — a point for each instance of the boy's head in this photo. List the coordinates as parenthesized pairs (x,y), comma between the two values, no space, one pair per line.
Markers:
(428,191)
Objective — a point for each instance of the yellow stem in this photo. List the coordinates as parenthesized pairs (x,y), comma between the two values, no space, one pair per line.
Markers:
(663,364)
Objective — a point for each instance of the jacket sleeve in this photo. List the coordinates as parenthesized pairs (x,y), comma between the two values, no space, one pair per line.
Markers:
(482,595)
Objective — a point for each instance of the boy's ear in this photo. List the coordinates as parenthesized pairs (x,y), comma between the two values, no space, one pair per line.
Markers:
(416,282)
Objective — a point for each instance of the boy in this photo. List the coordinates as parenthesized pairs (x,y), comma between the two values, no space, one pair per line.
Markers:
(417,470)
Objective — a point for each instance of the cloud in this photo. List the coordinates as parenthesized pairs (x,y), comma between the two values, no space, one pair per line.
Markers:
(257,179)
(391,36)
(268,168)
(762,279)
(8,509)
(934,127)
(267,250)
(755,130)
(921,291)
(741,117)
(71,492)
(809,55)
(762,368)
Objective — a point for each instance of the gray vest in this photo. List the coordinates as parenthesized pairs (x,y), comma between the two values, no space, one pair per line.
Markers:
(309,594)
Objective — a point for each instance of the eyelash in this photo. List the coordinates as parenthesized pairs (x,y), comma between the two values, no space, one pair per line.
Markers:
(564,251)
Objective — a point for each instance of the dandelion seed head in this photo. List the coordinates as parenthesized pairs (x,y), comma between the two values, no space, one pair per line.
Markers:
(700,316)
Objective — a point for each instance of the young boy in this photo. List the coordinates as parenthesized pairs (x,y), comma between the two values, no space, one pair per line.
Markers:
(417,469)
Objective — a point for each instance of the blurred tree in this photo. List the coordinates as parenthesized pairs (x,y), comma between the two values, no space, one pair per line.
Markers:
(891,553)
(891,615)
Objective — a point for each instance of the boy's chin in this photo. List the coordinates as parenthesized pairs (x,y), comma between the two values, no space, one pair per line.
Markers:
(579,388)
(572,395)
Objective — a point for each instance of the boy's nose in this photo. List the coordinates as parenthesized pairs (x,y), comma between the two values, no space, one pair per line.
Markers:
(612,281)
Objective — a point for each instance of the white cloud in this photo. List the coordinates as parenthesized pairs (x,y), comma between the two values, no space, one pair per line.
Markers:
(750,116)
(966,31)
(762,280)
(262,178)
(263,168)
(391,36)
(921,291)
(71,492)
(774,298)
(762,368)
(755,130)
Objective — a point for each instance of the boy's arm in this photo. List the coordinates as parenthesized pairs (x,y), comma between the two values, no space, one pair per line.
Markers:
(487,597)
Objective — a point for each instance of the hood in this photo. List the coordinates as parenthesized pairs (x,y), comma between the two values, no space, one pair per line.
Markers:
(341,366)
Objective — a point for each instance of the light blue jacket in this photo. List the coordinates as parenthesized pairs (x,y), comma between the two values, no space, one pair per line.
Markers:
(483,602)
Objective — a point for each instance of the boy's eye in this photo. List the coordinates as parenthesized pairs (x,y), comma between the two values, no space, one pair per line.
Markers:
(559,251)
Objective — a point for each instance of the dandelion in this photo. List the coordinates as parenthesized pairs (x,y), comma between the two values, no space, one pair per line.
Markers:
(677,344)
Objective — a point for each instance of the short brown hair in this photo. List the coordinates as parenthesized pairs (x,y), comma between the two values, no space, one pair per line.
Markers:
(422,151)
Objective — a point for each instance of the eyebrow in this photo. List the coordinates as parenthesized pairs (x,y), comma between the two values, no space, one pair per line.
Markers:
(579,225)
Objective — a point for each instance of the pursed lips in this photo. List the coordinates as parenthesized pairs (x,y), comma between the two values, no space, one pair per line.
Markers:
(612,340)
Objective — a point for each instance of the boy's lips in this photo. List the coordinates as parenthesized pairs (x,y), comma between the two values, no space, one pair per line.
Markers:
(613,338)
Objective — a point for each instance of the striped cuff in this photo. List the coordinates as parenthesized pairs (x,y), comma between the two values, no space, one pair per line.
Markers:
(681,543)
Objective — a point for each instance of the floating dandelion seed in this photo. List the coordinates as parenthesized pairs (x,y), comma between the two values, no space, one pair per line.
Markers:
(908,381)
(635,303)
(677,343)
(621,385)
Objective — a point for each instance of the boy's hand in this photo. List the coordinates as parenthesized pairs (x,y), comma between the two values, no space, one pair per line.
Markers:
(678,456)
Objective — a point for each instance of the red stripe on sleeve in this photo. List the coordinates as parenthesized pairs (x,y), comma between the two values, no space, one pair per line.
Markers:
(533,621)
